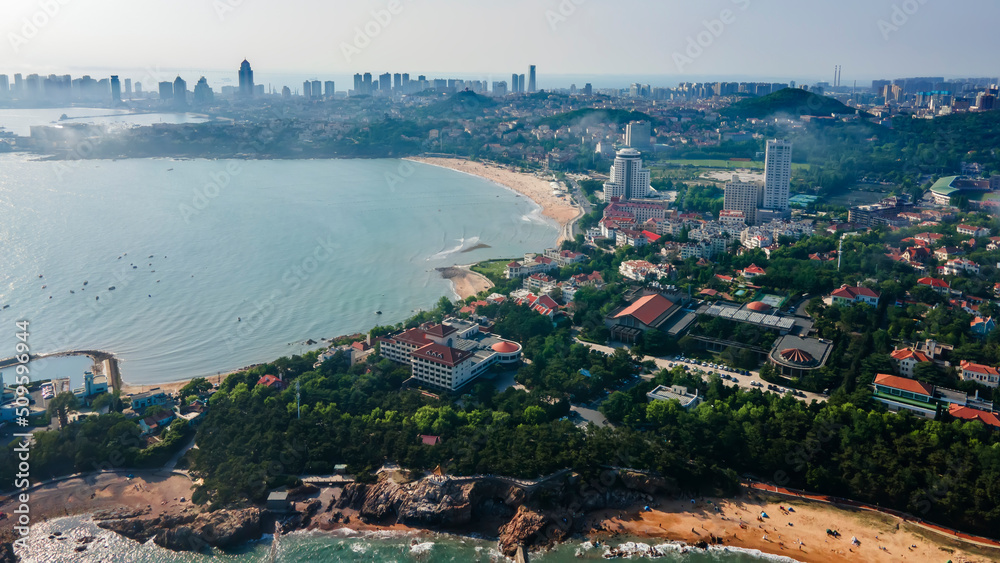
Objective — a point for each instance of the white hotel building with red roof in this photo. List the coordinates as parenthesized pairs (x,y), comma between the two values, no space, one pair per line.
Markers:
(449,355)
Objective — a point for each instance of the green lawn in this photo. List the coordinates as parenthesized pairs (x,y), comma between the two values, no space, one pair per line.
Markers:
(492,269)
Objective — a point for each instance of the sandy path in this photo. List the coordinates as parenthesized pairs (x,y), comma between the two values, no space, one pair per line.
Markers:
(466,282)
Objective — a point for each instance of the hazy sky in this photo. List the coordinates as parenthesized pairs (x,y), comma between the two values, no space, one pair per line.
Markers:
(768,39)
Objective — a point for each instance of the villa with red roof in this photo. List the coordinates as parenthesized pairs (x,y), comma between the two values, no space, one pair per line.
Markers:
(969,413)
(752,271)
(649,312)
(957,266)
(532,264)
(937,285)
(849,295)
(972,231)
(982,374)
(982,326)
(271,381)
(907,359)
(907,394)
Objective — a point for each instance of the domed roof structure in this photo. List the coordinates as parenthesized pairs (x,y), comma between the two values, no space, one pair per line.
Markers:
(759,307)
(798,356)
(505,347)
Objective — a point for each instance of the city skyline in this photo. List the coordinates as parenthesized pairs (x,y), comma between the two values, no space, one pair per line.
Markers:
(704,39)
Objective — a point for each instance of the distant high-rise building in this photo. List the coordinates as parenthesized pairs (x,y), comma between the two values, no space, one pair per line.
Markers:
(358,84)
(366,84)
(128,88)
(180,91)
(317,89)
(406,83)
(329,89)
(588,89)
(628,179)
(286,92)
(116,90)
(203,94)
(166,91)
(246,80)
(531,79)
(307,89)
(520,83)
(4,86)
(637,136)
(777,175)
(743,196)
(500,88)
(18,90)
(397,82)
(385,83)
(515,84)
(138,89)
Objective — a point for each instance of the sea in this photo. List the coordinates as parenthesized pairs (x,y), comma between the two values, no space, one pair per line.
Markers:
(347,546)
(187,268)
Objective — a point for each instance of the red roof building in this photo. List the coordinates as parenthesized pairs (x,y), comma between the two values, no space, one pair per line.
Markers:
(848,295)
(904,384)
(271,381)
(969,413)
(752,271)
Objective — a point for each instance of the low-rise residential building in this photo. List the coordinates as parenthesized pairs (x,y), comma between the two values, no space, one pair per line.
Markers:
(972,231)
(140,401)
(678,393)
(565,257)
(752,271)
(958,266)
(531,265)
(849,295)
(638,270)
(982,374)
(981,326)
(153,424)
(732,221)
(272,381)
(907,359)
(937,285)
(969,413)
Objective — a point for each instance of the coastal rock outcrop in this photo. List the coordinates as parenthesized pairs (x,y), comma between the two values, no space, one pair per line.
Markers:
(527,528)
(222,528)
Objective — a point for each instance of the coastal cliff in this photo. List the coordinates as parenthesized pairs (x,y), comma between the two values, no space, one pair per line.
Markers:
(189,532)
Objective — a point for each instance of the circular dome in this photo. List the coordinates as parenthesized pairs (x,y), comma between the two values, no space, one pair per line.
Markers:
(797,356)
(505,347)
(759,306)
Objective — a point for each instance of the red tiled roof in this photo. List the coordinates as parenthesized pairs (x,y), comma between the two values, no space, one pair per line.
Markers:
(906,354)
(850,292)
(759,306)
(547,302)
(414,336)
(933,282)
(968,413)
(269,381)
(505,347)
(439,331)
(754,269)
(441,354)
(430,440)
(653,237)
(647,309)
(514,265)
(904,384)
(979,368)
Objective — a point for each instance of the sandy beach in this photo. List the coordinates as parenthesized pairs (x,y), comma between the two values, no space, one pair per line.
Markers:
(466,282)
(798,531)
(537,188)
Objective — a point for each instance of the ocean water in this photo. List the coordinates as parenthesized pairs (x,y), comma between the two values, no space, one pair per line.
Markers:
(19,121)
(219,264)
(339,546)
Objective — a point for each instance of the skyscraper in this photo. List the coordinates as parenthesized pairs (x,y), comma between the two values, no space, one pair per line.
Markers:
(531,79)
(366,85)
(637,136)
(317,89)
(246,80)
(128,88)
(138,89)
(628,179)
(203,94)
(358,84)
(116,90)
(588,89)
(514,84)
(397,82)
(520,83)
(307,89)
(329,89)
(166,90)
(743,196)
(4,86)
(180,91)
(500,88)
(777,175)
(385,83)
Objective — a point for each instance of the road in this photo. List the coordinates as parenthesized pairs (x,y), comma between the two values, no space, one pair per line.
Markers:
(744,381)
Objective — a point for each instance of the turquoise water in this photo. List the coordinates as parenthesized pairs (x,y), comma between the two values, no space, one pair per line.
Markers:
(340,546)
(219,264)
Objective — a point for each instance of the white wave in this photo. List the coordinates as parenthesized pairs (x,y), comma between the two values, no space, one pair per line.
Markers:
(754,553)
(421,548)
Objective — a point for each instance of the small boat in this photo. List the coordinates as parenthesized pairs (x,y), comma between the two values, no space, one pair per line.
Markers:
(112,288)
(84,283)
(44,286)
(151,254)
(378,312)
(6,306)
(71,291)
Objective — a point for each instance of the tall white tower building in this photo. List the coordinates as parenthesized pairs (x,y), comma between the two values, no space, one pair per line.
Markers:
(777,175)
(629,180)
